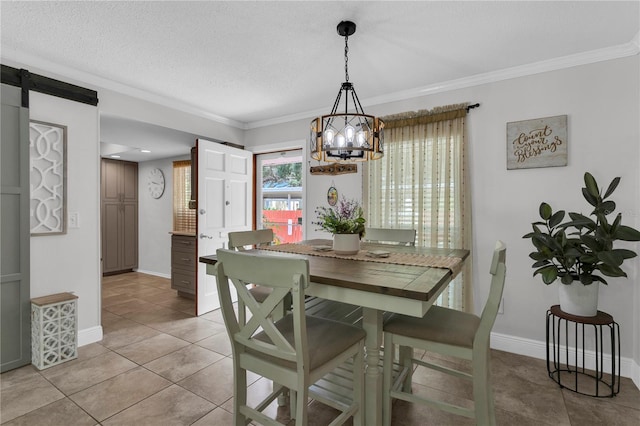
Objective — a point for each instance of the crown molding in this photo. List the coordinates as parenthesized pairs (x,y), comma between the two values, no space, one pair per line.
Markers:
(631,48)
(17,59)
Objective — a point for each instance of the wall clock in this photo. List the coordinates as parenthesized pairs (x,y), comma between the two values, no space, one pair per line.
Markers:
(155,183)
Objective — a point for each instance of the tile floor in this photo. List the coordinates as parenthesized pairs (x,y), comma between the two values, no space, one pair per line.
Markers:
(159,365)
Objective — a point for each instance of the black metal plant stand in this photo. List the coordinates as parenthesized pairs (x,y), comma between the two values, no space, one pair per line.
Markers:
(573,374)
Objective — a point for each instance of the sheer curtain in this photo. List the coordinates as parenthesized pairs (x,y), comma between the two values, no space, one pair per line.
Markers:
(422,183)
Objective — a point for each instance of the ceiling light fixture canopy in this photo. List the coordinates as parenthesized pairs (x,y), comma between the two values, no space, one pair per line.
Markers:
(347,136)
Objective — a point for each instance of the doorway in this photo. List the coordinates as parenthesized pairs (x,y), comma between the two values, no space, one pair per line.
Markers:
(279,195)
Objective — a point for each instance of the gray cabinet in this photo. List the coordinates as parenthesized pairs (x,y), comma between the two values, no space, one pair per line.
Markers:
(119,210)
(183,264)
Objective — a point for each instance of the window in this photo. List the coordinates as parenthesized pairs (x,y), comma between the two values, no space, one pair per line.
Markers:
(184,218)
(420,184)
(279,194)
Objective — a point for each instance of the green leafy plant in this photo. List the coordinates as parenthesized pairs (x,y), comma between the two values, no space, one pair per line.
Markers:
(581,248)
(346,217)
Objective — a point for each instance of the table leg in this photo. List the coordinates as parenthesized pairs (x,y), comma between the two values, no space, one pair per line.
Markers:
(372,324)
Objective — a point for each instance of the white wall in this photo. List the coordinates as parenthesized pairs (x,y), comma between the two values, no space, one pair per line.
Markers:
(119,105)
(70,262)
(155,220)
(601,101)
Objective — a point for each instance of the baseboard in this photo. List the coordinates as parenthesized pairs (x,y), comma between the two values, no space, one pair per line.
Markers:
(89,335)
(635,374)
(538,349)
(157,274)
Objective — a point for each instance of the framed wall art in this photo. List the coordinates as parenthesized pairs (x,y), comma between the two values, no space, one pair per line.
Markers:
(541,142)
(332,196)
(48,177)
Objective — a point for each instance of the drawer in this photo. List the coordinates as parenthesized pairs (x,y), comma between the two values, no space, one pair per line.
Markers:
(185,282)
(183,260)
(183,242)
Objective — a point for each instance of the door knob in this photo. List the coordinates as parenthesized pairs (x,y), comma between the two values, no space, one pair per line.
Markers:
(227,203)
(206,236)
(202,211)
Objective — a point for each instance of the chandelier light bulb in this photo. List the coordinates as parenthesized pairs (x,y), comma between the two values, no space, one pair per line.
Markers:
(340,140)
(349,132)
(328,136)
(361,138)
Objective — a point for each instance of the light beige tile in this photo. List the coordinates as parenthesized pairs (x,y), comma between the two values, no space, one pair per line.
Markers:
(61,412)
(120,392)
(159,316)
(183,362)
(129,306)
(24,390)
(76,377)
(151,348)
(218,416)
(529,399)
(585,410)
(215,382)
(171,406)
(128,335)
(190,329)
(629,395)
(218,343)
(91,350)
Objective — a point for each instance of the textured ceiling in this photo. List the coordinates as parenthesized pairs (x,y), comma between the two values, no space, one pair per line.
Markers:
(256,61)
(248,63)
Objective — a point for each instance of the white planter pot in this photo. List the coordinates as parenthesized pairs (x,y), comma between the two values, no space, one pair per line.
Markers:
(345,244)
(579,299)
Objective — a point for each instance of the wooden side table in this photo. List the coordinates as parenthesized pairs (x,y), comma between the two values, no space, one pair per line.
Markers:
(569,371)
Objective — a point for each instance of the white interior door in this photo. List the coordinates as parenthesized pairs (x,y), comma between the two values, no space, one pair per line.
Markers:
(225,183)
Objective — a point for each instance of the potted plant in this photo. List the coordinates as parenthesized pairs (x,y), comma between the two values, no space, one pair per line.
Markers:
(346,222)
(580,251)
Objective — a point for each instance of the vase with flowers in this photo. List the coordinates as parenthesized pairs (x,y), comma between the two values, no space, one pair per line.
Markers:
(346,222)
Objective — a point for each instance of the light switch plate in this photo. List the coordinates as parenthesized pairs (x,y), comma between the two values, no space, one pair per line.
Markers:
(74,220)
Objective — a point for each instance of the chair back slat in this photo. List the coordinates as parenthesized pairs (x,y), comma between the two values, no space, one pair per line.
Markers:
(498,276)
(240,240)
(389,235)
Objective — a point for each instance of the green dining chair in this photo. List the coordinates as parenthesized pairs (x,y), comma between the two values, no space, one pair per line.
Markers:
(294,352)
(241,240)
(402,237)
(452,333)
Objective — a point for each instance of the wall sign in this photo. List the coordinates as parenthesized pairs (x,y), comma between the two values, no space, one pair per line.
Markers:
(541,142)
(48,176)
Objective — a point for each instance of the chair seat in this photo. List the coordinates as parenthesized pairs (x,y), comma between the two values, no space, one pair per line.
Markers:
(260,293)
(326,339)
(442,325)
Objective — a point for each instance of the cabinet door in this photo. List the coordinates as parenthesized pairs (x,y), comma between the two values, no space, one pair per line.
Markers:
(110,181)
(129,182)
(111,237)
(129,251)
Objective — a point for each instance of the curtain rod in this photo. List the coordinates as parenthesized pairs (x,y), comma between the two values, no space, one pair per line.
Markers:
(472,106)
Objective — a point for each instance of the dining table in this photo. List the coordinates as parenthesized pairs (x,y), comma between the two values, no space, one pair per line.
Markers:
(381,279)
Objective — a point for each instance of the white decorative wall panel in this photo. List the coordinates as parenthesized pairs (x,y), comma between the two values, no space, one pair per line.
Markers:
(47,149)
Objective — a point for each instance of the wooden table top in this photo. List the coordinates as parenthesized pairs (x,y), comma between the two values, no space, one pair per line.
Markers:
(414,282)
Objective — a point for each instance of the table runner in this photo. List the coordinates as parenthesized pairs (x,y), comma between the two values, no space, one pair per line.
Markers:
(454,264)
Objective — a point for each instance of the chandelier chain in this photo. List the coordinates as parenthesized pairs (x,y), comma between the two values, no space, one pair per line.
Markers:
(346,58)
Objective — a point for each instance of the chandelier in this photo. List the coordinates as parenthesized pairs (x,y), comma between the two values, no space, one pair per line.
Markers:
(347,136)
